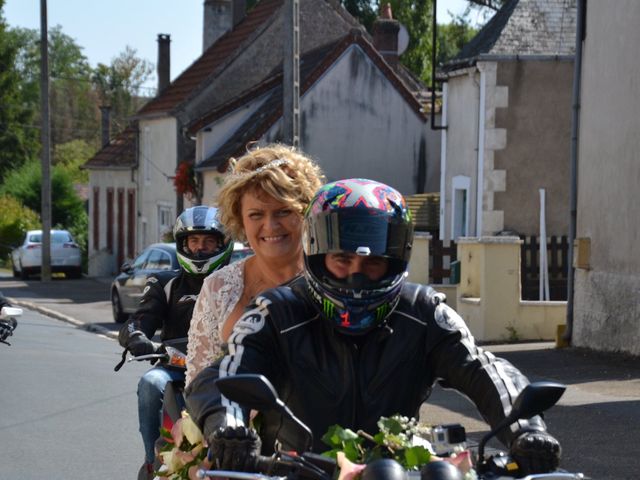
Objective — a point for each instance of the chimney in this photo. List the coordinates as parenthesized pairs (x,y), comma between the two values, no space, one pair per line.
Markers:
(220,16)
(385,36)
(105,112)
(164,62)
(239,11)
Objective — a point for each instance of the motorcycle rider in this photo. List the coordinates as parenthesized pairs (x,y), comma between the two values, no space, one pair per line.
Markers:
(352,340)
(167,304)
(7,325)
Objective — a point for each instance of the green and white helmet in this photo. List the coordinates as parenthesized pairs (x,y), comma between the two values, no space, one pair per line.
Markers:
(200,220)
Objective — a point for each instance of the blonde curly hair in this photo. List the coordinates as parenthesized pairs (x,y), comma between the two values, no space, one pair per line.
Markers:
(280,171)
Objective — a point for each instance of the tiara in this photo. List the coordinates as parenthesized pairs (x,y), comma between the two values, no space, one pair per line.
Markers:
(267,166)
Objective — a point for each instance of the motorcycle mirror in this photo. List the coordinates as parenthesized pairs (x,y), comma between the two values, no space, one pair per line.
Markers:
(256,392)
(534,399)
(10,312)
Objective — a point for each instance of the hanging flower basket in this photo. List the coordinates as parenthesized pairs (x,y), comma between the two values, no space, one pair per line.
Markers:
(185,180)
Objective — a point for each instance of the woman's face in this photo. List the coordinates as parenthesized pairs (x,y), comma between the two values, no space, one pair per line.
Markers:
(273,229)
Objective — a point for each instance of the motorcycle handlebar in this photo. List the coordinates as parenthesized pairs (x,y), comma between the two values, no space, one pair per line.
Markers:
(306,466)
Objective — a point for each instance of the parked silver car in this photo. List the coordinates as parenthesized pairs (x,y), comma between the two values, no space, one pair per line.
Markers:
(65,255)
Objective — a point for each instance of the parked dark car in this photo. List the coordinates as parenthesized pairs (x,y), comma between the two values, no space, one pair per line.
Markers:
(127,287)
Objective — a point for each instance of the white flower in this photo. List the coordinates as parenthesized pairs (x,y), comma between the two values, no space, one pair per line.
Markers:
(190,429)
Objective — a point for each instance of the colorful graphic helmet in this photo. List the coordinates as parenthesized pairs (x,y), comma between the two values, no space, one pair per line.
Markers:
(200,220)
(367,218)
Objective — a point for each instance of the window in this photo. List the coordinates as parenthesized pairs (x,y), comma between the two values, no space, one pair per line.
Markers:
(61,237)
(139,261)
(165,221)
(460,206)
(158,260)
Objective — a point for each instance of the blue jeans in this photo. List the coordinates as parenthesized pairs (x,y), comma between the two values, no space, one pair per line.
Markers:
(150,393)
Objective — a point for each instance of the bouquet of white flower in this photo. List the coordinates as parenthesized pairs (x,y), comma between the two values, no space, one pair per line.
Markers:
(184,453)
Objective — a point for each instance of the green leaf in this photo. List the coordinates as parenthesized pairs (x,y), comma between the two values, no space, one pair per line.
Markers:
(415,457)
(391,425)
(379,438)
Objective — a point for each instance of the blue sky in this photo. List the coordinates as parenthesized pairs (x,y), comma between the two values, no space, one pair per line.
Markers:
(105,27)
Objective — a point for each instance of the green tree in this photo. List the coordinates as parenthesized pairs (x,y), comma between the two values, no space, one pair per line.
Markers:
(71,156)
(18,136)
(365,11)
(24,184)
(14,221)
(417,18)
(74,113)
(118,85)
(451,38)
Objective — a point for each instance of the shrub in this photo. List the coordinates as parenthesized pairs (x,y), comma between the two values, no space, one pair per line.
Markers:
(14,221)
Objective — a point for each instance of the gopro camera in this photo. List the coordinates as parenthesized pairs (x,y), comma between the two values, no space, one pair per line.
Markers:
(448,438)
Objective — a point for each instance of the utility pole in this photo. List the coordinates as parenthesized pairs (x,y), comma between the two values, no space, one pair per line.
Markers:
(45,191)
(291,74)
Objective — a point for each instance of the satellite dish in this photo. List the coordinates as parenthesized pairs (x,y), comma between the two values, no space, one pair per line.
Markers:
(403,39)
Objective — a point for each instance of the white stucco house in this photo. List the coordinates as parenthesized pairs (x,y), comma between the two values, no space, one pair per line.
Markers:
(359,118)
(606,306)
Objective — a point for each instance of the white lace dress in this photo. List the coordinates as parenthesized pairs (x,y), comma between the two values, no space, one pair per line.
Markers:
(220,293)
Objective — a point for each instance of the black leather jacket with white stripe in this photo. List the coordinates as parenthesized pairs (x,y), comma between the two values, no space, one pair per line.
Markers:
(328,378)
(167,305)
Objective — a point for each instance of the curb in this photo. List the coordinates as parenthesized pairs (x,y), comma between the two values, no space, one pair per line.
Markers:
(65,318)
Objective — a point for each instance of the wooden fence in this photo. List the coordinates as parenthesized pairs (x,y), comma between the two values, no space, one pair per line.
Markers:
(440,257)
(558,264)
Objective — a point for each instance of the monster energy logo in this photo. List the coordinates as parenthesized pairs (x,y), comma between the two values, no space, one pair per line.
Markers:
(328,307)
(381,312)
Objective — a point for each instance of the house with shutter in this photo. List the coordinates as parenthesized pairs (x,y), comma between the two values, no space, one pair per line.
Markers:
(507,113)
(132,197)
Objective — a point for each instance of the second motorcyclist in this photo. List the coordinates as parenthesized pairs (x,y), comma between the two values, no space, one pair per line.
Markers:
(167,305)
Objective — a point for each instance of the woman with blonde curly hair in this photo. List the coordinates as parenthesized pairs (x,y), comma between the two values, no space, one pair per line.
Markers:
(261,202)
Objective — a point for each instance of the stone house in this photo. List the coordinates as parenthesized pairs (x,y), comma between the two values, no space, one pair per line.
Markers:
(507,112)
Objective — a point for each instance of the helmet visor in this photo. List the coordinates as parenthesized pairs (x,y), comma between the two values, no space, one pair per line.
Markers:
(359,231)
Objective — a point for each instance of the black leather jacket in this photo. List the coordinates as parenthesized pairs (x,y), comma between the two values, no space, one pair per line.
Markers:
(328,378)
(167,304)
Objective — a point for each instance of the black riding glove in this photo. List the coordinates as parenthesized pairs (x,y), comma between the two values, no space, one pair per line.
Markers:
(139,344)
(234,448)
(6,328)
(536,452)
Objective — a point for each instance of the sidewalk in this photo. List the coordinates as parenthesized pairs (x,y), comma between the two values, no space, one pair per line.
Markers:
(83,302)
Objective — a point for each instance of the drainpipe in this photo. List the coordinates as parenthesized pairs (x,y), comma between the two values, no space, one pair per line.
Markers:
(443,158)
(443,117)
(575,130)
(434,45)
(480,182)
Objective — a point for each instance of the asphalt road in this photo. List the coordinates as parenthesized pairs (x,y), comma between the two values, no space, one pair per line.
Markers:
(66,415)
(597,420)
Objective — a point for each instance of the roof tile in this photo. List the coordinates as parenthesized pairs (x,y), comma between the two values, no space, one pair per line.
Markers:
(216,55)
